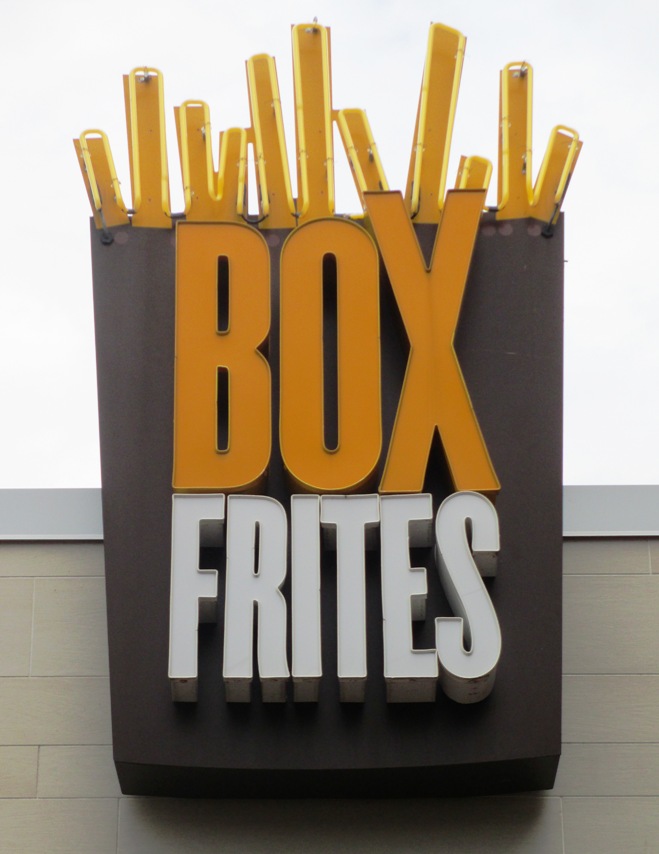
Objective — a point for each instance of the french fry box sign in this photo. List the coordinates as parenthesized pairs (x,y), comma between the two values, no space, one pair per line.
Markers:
(331,447)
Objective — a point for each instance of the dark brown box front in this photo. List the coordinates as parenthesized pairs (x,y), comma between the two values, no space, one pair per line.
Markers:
(509,344)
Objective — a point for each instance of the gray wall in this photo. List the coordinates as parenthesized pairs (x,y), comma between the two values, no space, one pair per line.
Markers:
(57,785)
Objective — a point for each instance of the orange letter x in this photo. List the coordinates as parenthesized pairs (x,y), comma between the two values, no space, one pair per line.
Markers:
(434,395)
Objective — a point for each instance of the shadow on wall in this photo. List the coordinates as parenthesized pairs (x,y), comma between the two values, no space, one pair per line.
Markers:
(494,825)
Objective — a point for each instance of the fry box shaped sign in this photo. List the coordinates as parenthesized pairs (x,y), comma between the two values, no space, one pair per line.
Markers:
(331,448)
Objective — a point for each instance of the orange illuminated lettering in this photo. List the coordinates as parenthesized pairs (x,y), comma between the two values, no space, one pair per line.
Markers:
(344,254)
(222,403)
(434,395)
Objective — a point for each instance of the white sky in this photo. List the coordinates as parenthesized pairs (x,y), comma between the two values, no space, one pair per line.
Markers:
(596,69)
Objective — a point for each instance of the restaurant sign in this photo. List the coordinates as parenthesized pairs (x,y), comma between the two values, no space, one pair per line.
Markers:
(331,447)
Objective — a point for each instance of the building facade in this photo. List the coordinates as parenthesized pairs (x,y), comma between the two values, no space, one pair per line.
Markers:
(58,786)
